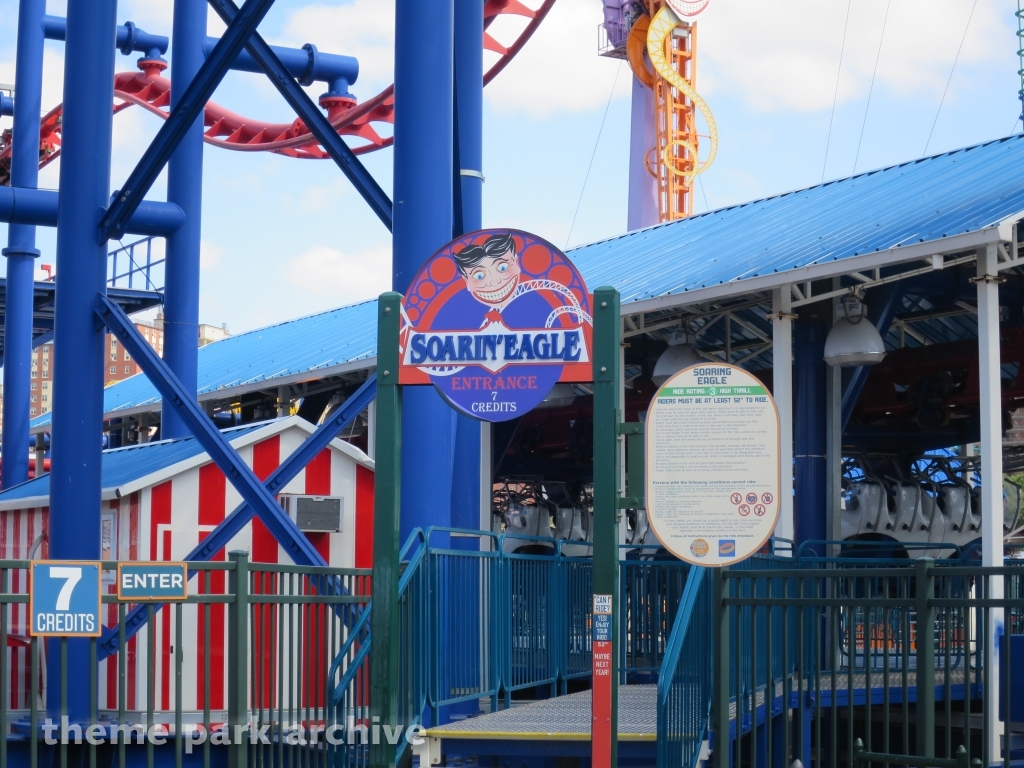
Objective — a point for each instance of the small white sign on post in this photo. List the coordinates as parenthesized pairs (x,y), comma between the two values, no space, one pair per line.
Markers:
(713,475)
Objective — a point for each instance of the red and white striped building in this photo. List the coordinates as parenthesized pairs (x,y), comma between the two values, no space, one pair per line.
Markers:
(159,501)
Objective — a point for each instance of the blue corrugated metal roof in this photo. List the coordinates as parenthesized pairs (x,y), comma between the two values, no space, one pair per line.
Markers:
(315,343)
(124,465)
(950,194)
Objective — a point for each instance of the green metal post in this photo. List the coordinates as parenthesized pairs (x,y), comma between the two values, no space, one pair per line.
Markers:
(926,658)
(607,379)
(720,662)
(238,659)
(384,623)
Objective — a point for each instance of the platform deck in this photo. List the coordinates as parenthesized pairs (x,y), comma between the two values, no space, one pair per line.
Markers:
(563,718)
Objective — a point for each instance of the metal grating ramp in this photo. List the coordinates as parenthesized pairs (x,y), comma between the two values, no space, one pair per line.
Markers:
(563,718)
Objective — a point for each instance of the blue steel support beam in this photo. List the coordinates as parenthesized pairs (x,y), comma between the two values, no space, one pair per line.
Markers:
(305,64)
(809,439)
(882,308)
(231,526)
(24,205)
(185,189)
(180,121)
(469,92)
(82,264)
(129,37)
(207,435)
(315,120)
(423,223)
(21,251)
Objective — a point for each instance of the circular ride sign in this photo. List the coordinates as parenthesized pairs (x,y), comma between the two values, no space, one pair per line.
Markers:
(494,320)
(713,479)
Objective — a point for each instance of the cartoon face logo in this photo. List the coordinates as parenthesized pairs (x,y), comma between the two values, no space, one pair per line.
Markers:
(493,320)
(699,548)
(491,270)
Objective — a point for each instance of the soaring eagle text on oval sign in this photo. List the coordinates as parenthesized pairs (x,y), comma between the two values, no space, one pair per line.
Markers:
(494,320)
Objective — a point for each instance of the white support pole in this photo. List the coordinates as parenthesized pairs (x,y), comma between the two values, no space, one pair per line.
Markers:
(991,481)
(782,390)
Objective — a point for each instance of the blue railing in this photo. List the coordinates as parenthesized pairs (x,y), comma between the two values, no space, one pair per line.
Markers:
(482,618)
(464,587)
(684,688)
(350,695)
(134,266)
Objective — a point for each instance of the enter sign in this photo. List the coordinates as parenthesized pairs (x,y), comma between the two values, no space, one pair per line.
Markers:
(139,582)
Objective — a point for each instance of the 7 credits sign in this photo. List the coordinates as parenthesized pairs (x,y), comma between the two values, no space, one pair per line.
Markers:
(64,599)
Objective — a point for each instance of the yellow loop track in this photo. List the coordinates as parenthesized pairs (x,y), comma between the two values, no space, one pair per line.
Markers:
(661,26)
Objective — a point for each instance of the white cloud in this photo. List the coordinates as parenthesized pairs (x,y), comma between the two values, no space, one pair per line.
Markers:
(558,70)
(778,61)
(346,277)
(363,28)
(210,255)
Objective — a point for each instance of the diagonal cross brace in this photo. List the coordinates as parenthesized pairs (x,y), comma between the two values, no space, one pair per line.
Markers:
(214,443)
(230,526)
(186,111)
(314,119)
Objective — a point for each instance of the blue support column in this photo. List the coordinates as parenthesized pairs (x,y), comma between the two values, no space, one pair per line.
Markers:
(469,89)
(81,269)
(185,188)
(21,249)
(809,430)
(422,224)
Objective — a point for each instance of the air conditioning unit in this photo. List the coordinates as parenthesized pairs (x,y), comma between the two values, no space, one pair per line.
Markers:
(316,514)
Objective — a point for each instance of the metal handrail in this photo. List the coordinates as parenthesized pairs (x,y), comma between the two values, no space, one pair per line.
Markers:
(676,747)
(353,635)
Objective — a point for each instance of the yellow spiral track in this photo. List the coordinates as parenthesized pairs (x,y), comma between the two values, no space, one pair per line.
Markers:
(661,27)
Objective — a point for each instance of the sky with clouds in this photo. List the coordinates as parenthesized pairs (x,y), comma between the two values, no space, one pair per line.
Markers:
(284,237)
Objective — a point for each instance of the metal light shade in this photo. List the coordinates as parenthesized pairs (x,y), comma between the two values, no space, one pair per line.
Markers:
(562,394)
(673,360)
(852,343)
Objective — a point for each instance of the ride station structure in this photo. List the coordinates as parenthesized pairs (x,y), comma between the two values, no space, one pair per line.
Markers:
(386,561)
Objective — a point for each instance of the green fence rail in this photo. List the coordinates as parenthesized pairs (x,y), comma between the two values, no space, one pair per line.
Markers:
(238,671)
(811,661)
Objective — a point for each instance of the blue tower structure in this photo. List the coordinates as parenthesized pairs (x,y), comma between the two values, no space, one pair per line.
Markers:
(21,251)
(438,186)
(185,189)
(424,145)
(82,266)
(469,89)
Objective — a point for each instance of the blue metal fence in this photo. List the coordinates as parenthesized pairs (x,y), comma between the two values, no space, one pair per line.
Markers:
(684,689)
(136,266)
(482,618)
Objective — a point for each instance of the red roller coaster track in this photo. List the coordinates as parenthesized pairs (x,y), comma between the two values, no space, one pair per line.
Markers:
(151,91)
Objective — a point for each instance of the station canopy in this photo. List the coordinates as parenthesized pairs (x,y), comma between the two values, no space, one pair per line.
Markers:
(918,219)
